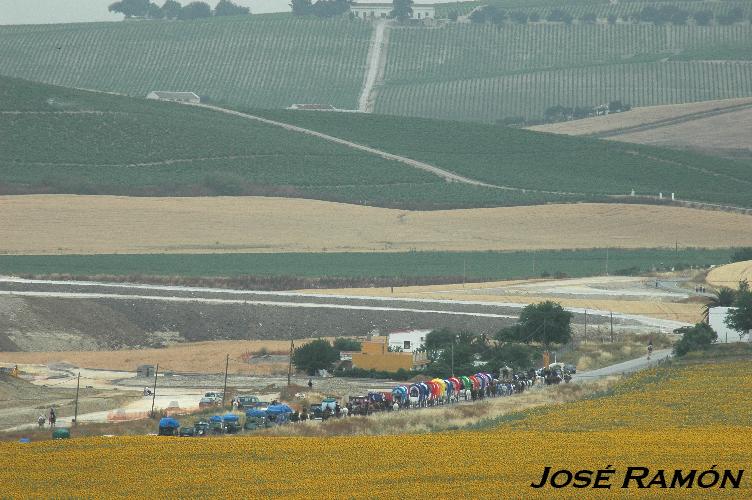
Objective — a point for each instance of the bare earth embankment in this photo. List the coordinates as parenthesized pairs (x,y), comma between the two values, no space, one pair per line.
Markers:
(717,127)
(68,224)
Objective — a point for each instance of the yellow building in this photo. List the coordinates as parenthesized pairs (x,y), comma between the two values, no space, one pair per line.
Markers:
(374,355)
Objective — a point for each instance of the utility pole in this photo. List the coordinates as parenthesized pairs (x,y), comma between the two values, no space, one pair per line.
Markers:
(75,412)
(606,261)
(612,327)
(452,357)
(585,324)
(464,272)
(289,365)
(224,391)
(154,392)
(533,263)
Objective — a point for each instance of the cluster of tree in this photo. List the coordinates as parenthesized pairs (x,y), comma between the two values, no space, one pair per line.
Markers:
(518,347)
(321,354)
(172,9)
(667,14)
(492,14)
(561,113)
(322,8)
(740,317)
(694,338)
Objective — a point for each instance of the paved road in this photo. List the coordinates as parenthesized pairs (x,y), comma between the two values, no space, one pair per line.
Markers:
(630,366)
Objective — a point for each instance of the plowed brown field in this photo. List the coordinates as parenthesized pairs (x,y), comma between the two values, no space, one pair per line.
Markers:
(67,224)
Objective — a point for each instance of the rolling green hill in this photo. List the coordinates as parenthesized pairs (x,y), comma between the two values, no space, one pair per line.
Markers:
(538,161)
(60,140)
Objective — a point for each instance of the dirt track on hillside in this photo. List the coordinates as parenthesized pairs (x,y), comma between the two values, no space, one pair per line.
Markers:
(64,224)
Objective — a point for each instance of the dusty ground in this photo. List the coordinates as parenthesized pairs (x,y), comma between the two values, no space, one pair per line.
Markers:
(63,224)
(726,133)
(208,357)
(626,295)
(731,274)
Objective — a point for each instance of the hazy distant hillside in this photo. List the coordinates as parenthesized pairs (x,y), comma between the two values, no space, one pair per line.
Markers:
(448,70)
(481,72)
(266,61)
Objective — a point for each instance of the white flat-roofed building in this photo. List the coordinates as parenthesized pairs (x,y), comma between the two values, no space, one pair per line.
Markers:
(408,340)
(380,10)
(717,321)
(162,95)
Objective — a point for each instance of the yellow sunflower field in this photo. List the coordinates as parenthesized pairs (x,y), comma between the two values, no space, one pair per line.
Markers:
(691,418)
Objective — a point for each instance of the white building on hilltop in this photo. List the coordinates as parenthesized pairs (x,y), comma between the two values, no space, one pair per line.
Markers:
(379,10)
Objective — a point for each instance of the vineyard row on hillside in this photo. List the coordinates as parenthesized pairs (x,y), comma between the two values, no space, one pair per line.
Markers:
(471,51)
(265,62)
(530,94)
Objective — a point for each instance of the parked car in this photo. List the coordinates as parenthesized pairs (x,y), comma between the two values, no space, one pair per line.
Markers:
(217,396)
(187,432)
(201,428)
(208,402)
(245,402)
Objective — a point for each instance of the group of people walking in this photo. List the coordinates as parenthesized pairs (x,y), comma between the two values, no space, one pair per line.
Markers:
(51,418)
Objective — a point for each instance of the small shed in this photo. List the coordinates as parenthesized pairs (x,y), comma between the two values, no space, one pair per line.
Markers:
(313,107)
(162,95)
(145,371)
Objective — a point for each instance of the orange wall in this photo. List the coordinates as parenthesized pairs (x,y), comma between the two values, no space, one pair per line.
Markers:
(373,347)
(390,361)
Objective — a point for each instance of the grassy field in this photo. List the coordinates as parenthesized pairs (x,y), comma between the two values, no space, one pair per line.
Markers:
(60,140)
(483,73)
(66,141)
(63,224)
(684,418)
(267,61)
(520,158)
(477,265)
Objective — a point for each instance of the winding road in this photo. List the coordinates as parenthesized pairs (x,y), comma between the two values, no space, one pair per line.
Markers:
(623,368)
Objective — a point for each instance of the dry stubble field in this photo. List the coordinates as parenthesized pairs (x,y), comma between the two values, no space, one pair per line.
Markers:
(636,117)
(194,356)
(731,274)
(66,224)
